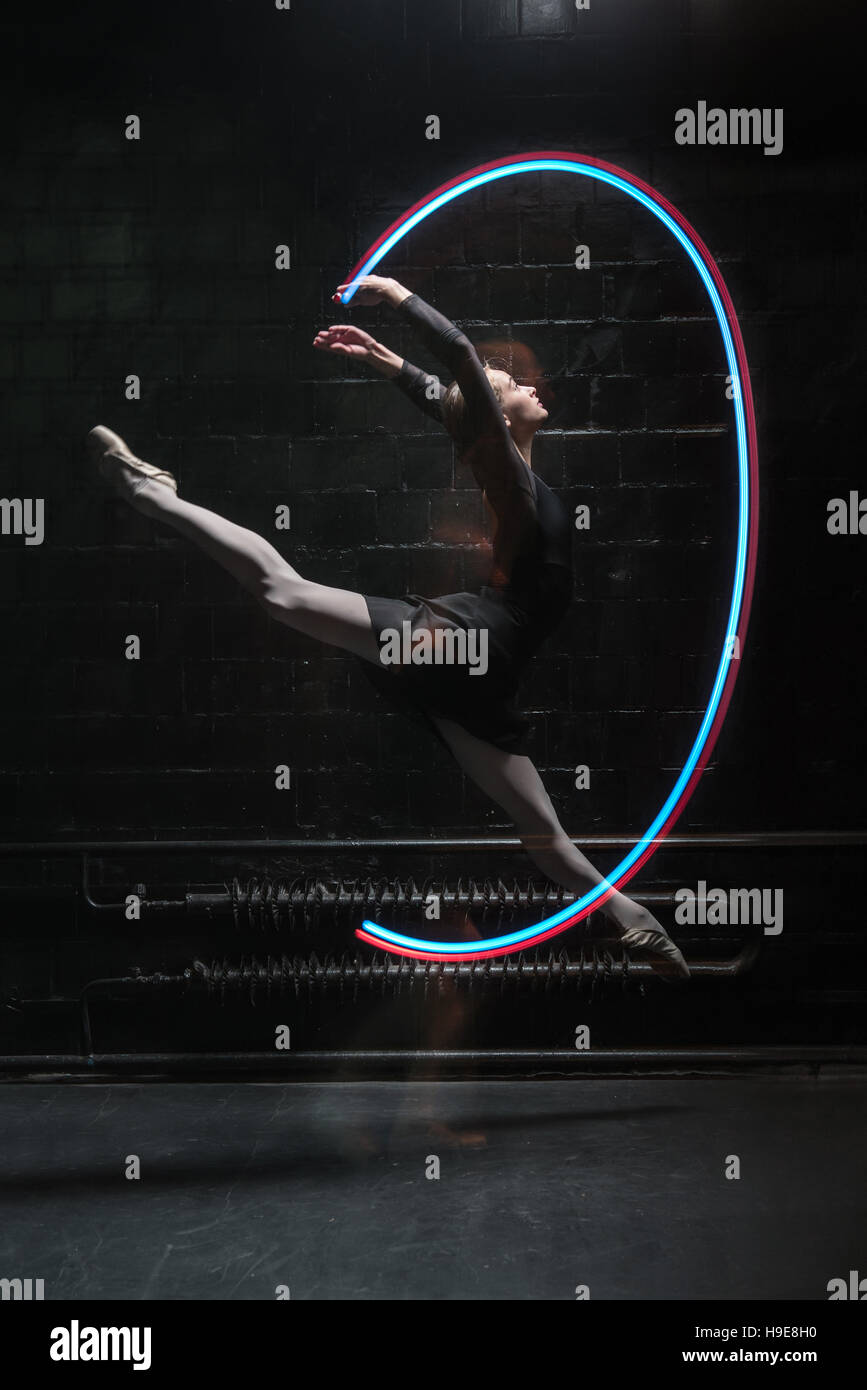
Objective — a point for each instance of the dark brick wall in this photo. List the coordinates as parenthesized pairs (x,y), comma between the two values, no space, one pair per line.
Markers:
(308,128)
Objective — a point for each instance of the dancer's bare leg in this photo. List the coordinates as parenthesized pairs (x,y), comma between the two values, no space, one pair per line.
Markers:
(513,782)
(337,616)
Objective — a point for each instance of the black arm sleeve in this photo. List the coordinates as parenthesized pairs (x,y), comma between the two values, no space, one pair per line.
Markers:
(487,445)
(455,351)
(424,390)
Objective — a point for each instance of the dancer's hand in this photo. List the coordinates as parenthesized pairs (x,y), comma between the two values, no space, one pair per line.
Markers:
(349,341)
(373,289)
(346,339)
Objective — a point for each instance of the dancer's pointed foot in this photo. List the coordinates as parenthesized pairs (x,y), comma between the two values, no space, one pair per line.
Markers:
(651,940)
(130,476)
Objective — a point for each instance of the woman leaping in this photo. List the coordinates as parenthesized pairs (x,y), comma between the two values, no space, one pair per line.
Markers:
(471,706)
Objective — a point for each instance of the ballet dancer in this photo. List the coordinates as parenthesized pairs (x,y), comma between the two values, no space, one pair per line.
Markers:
(473,711)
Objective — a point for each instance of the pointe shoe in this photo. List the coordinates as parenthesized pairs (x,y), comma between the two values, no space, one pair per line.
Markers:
(118,464)
(654,942)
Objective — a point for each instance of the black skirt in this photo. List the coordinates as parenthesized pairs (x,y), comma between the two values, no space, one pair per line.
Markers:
(515,622)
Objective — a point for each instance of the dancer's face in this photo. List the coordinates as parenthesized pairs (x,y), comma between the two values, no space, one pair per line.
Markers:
(522,408)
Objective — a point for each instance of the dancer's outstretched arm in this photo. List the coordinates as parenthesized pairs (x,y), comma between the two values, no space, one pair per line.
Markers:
(425,390)
(486,443)
(485,419)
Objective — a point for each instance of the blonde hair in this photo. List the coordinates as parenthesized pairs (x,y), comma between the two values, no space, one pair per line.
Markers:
(454,406)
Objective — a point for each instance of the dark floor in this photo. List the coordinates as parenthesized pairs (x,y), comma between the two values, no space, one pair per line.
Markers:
(617,1184)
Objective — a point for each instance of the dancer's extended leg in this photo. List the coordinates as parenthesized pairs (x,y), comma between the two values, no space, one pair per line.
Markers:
(513,782)
(337,616)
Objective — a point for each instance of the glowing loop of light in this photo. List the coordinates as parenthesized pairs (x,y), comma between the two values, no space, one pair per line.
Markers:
(733,644)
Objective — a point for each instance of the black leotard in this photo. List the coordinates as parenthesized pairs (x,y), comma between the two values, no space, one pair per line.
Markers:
(530,585)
